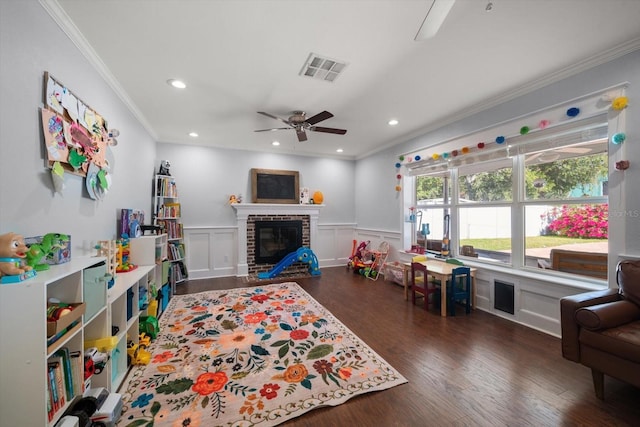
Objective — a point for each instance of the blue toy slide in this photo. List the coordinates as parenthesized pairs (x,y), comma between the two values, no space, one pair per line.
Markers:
(301,255)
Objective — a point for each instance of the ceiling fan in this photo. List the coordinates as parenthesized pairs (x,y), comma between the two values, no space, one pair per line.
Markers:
(302,124)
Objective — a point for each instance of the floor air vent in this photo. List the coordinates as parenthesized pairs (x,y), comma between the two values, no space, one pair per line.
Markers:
(504,296)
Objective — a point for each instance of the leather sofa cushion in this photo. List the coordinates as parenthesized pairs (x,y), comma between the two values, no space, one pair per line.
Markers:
(623,341)
(628,277)
(608,315)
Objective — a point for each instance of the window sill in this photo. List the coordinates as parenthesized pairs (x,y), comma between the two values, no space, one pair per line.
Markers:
(582,283)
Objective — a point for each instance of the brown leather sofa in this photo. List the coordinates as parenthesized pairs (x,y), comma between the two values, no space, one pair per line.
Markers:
(601,330)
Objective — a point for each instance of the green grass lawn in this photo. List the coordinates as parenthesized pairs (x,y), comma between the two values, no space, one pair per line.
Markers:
(531,242)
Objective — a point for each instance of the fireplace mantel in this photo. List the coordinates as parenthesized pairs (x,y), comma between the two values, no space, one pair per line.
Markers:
(243,210)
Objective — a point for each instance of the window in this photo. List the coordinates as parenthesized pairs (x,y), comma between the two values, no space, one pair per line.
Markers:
(484,218)
(514,202)
(433,199)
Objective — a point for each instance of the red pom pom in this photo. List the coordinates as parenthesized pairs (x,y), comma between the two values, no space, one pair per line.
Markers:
(480,145)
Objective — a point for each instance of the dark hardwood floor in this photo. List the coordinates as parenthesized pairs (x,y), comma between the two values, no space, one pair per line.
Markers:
(467,370)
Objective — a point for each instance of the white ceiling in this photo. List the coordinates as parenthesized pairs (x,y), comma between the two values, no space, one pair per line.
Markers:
(242,56)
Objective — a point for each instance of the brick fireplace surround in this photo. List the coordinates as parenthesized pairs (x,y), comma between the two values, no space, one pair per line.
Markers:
(248,213)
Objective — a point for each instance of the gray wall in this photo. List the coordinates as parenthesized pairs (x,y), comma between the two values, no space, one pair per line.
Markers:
(30,44)
(207,176)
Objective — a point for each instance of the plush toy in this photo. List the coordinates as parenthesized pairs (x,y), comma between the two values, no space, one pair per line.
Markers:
(164,168)
(13,251)
(51,242)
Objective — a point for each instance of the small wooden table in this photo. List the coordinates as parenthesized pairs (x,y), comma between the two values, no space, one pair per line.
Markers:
(441,271)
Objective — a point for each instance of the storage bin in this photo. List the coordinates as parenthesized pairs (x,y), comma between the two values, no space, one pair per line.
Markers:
(94,282)
(129,304)
(166,295)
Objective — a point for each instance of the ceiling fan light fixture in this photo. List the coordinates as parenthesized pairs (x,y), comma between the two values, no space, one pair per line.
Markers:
(435,17)
(322,68)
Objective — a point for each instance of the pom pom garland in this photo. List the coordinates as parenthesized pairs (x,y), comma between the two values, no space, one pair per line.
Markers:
(543,124)
(454,153)
(500,140)
(524,130)
(435,156)
(398,165)
(465,150)
(401,158)
(480,146)
(398,188)
(445,155)
(399,176)
(418,158)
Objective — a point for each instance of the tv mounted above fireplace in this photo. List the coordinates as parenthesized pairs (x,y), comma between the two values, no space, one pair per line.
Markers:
(275,186)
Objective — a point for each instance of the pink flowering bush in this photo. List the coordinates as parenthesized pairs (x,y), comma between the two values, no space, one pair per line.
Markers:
(586,221)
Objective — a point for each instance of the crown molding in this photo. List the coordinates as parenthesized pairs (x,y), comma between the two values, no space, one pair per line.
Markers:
(61,18)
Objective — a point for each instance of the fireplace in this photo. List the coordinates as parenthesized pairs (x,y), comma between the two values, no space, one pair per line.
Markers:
(276,239)
(249,213)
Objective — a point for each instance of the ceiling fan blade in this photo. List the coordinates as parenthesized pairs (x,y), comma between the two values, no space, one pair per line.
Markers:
(319,117)
(267,130)
(274,117)
(302,135)
(328,130)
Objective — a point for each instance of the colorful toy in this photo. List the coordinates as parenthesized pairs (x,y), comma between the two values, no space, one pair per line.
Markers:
(137,355)
(13,252)
(109,250)
(122,256)
(51,242)
(303,254)
(149,325)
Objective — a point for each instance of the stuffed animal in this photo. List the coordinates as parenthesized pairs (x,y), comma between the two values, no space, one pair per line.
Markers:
(164,168)
(13,251)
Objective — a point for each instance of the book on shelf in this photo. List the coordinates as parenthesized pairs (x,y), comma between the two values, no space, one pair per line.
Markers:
(77,369)
(64,357)
(176,251)
(172,227)
(166,187)
(169,210)
(57,384)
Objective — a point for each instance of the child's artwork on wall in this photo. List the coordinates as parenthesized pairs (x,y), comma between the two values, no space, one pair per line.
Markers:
(77,139)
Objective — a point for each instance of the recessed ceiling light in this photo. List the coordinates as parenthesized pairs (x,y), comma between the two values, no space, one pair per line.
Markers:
(393,122)
(339,150)
(177,83)
(275,143)
(193,134)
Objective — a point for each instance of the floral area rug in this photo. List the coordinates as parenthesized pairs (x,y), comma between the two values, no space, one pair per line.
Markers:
(251,356)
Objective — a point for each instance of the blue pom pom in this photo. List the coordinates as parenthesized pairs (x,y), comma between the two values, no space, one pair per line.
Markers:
(572,112)
(500,140)
(417,158)
(618,138)
(398,165)
(445,155)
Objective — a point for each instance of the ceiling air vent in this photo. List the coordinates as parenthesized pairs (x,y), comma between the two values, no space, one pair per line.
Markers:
(318,67)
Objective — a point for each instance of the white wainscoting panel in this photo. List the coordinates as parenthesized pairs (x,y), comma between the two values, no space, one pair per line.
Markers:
(211,251)
(333,247)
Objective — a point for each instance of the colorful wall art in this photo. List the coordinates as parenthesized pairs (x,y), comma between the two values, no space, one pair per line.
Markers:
(77,139)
